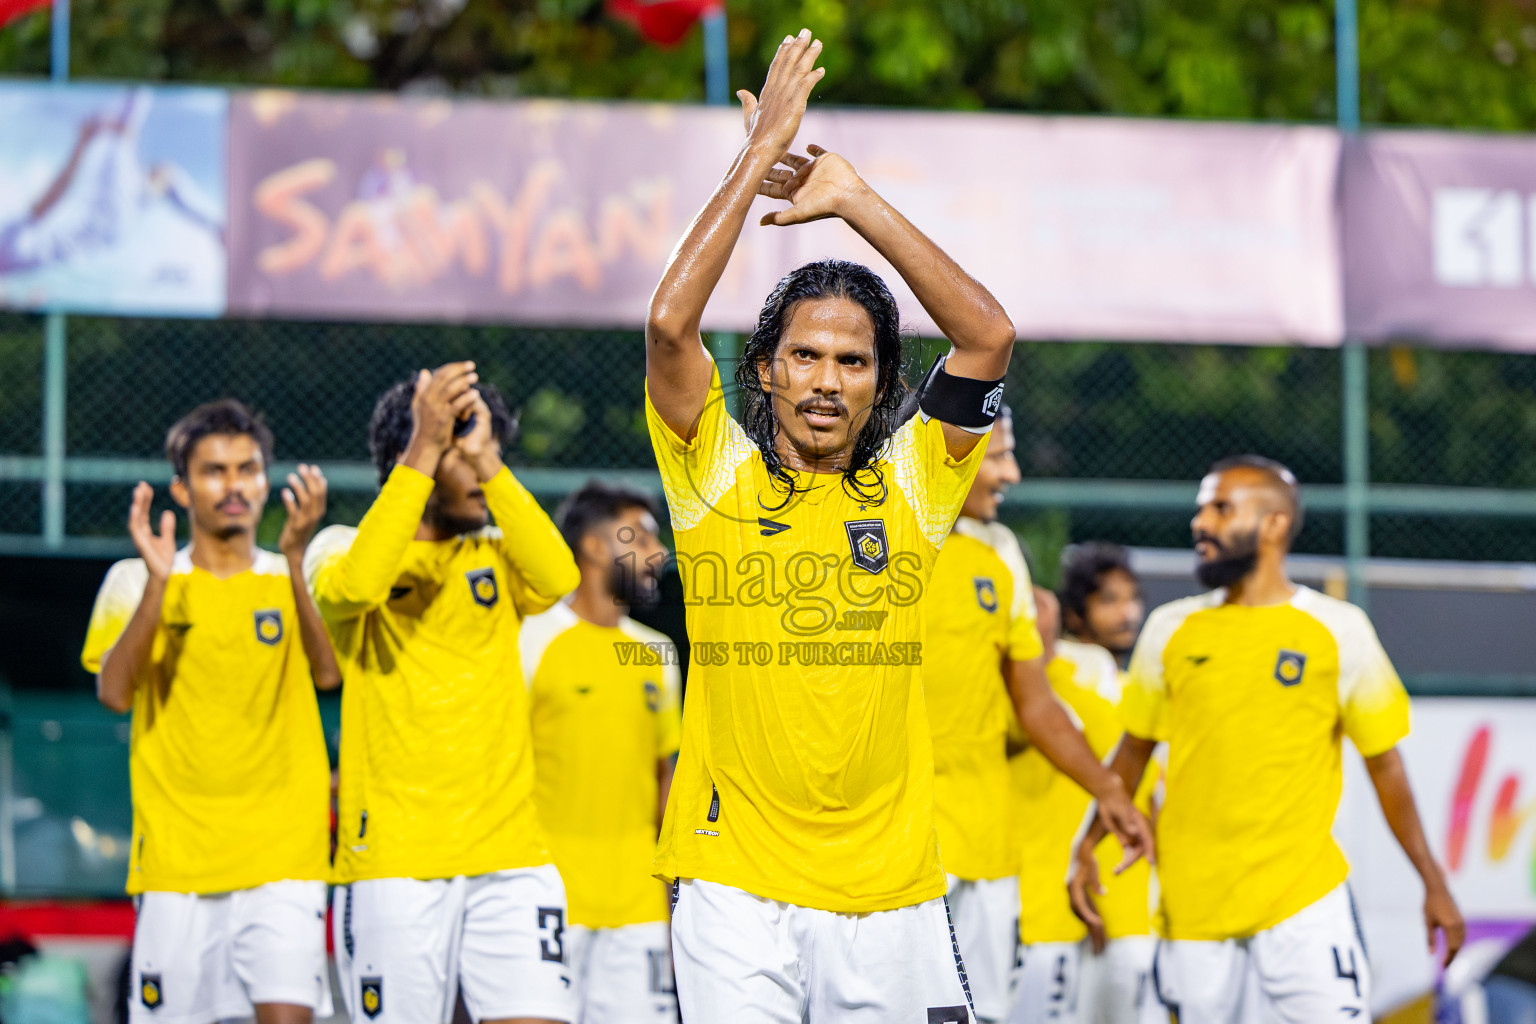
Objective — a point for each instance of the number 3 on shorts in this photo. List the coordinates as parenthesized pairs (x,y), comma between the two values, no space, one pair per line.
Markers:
(552,930)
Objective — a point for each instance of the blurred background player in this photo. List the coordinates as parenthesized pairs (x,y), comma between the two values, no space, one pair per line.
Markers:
(800,824)
(606,723)
(1252,685)
(1101,598)
(217,649)
(1101,607)
(980,641)
(445,881)
(1062,975)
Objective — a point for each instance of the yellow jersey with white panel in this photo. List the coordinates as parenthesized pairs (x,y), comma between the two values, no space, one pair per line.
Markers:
(1253,703)
(980,610)
(806,771)
(605,712)
(231,782)
(436,756)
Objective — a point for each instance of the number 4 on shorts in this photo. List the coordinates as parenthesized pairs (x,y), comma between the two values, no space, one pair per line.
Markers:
(948,1015)
(1353,974)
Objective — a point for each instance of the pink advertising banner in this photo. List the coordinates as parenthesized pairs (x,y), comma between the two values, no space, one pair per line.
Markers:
(564,213)
(1440,238)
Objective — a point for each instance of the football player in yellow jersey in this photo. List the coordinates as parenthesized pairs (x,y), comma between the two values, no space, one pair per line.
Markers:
(981,644)
(445,881)
(1101,598)
(1252,686)
(1102,613)
(1061,976)
(606,724)
(800,824)
(217,649)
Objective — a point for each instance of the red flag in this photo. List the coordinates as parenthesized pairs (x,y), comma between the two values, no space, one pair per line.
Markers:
(661,21)
(10,10)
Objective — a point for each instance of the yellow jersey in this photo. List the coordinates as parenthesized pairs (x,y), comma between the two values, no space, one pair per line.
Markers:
(605,711)
(806,771)
(231,782)
(436,762)
(979,610)
(1252,703)
(1051,808)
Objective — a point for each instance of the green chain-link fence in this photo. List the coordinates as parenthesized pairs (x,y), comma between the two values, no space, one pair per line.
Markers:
(1111,436)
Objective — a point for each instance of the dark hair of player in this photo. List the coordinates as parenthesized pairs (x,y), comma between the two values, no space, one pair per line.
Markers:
(1281,479)
(594,504)
(225,416)
(826,279)
(389,430)
(1083,568)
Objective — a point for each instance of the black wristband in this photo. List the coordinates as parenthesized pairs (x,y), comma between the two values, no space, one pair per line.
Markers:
(967,403)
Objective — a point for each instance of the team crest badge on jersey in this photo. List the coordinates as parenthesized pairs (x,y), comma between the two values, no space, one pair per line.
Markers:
(866,538)
(652,696)
(269,627)
(373,996)
(150,992)
(986,593)
(1289,667)
(482,586)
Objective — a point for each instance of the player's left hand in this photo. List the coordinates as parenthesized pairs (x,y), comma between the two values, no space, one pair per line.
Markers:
(304,498)
(1441,914)
(479,447)
(816,187)
(1082,886)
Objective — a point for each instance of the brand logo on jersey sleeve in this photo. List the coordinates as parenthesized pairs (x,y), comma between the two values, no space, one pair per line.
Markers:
(373,996)
(150,992)
(482,586)
(866,539)
(986,593)
(1289,667)
(269,626)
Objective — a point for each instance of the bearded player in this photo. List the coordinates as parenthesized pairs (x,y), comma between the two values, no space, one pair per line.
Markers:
(1252,686)
(800,825)
(604,692)
(445,884)
(217,649)
(983,646)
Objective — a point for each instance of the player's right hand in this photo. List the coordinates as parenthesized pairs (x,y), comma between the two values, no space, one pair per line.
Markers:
(442,397)
(1082,885)
(773,118)
(157,549)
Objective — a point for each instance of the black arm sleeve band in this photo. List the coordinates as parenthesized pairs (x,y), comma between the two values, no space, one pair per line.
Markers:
(968,403)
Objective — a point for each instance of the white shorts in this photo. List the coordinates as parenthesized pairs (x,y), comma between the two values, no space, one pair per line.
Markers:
(986,917)
(622,975)
(1307,969)
(406,946)
(1047,980)
(744,959)
(203,958)
(1115,987)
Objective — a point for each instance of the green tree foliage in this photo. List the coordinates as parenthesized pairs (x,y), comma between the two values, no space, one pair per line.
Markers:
(1455,63)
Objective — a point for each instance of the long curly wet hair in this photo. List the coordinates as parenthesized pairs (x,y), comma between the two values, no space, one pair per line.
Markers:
(862,479)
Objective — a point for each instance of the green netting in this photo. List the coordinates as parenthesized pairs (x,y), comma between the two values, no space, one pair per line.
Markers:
(1085,412)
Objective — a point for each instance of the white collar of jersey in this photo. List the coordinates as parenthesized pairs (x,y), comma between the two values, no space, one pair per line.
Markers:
(265,563)
(975,529)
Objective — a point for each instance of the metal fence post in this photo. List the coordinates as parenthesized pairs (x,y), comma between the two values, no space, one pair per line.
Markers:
(724,346)
(53,431)
(1354,367)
